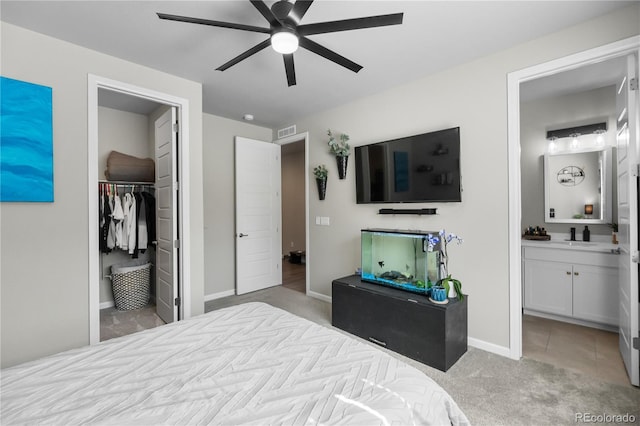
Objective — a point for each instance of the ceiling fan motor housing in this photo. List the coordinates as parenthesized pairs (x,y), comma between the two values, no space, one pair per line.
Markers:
(281,10)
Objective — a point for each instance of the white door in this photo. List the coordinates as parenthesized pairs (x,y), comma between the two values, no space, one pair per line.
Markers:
(627,153)
(258,215)
(166,220)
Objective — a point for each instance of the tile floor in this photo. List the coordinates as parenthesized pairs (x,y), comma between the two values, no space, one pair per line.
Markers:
(581,349)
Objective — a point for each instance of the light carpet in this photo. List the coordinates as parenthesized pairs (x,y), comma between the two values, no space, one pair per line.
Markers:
(490,389)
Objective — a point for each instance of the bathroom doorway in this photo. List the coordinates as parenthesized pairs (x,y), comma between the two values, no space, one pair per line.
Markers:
(582,346)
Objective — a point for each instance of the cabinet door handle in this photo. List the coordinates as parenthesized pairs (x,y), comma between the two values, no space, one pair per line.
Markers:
(568,272)
(379,342)
(576,273)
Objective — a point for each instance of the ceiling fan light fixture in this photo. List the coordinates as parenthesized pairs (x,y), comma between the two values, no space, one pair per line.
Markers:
(284,42)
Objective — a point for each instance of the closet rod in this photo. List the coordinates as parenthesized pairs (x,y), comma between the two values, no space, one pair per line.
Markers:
(120,182)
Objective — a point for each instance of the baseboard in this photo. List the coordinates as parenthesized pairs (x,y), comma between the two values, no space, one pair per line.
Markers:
(105,305)
(220,295)
(319,296)
(489,347)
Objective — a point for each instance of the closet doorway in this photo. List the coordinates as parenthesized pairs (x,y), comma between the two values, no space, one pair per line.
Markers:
(143,125)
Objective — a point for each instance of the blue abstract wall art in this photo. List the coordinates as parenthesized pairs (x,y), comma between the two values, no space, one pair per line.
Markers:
(26,142)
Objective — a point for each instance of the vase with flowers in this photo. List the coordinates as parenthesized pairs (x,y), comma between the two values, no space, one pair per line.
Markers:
(452,286)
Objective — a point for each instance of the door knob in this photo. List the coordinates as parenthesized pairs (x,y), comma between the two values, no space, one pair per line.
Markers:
(242,235)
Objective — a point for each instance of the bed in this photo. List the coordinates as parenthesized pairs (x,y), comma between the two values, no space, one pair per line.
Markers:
(247,364)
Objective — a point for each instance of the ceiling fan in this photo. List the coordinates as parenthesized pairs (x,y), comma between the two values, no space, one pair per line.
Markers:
(286,33)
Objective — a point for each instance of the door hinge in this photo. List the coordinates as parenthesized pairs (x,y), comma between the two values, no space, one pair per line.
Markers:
(176,127)
(633,84)
(177,301)
(176,244)
(176,186)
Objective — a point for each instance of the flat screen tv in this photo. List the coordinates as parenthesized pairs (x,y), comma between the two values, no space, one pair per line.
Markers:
(415,169)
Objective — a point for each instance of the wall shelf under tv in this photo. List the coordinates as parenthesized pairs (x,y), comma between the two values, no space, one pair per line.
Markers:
(408,211)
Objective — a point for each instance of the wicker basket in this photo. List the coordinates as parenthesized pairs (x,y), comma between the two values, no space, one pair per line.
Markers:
(131,288)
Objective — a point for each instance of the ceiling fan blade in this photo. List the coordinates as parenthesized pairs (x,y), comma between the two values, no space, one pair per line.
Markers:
(350,24)
(213,23)
(290,69)
(266,12)
(329,54)
(300,7)
(255,49)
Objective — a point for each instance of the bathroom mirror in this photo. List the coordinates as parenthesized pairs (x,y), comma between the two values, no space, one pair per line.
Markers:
(578,186)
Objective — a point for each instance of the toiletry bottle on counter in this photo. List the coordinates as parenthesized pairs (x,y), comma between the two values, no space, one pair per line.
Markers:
(586,234)
(573,234)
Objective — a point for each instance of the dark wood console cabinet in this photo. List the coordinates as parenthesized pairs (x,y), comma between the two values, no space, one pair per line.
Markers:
(403,322)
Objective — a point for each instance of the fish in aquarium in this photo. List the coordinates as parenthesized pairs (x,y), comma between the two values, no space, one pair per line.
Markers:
(397,276)
(405,259)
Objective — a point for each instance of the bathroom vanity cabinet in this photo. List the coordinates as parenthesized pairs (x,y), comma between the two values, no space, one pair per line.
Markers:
(572,283)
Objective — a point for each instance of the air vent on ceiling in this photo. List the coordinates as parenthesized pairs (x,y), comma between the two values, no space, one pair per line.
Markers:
(287,131)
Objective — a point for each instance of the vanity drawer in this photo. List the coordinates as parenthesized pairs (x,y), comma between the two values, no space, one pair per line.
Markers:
(571,255)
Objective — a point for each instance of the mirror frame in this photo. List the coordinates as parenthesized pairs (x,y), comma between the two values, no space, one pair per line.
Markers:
(606,184)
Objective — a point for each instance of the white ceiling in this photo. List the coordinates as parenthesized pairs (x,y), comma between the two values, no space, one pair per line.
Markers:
(585,78)
(434,36)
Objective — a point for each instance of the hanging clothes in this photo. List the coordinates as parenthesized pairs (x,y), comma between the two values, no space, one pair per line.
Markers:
(117,216)
(127,220)
(127,201)
(106,222)
(150,208)
(111,234)
(132,225)
(143,235)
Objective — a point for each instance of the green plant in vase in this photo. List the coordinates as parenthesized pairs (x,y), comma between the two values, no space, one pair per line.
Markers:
(614,233)
(321,173)
(340,148)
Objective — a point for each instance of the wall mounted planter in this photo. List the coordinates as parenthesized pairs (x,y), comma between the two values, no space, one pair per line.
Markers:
(322,188)
(341,161)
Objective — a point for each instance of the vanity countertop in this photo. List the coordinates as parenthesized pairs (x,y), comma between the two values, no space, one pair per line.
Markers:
(597,246)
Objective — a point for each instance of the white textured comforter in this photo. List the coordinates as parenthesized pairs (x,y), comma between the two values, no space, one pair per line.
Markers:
(248,364)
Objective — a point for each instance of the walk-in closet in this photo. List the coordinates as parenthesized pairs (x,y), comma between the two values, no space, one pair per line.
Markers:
(127,213)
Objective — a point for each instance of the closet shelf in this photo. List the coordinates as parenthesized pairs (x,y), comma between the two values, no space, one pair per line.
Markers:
(120,182)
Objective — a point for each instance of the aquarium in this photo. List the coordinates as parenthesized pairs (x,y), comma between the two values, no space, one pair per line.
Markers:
(408,260)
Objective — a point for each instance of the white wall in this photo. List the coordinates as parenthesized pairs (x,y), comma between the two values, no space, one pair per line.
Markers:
(219,200)
(538,116)
(44,265)
(124,132)
(474,97)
